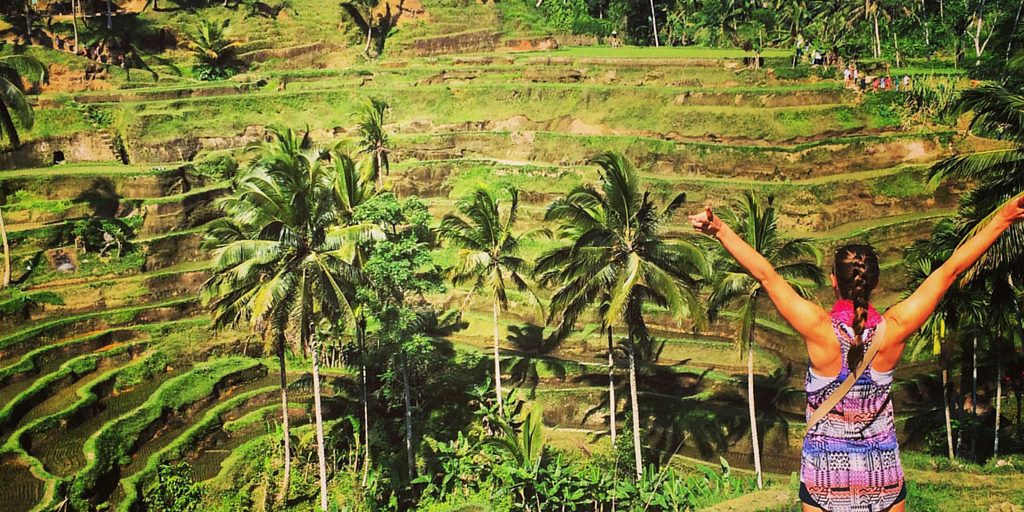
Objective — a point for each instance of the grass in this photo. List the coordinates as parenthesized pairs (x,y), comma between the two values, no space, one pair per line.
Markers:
(29,362)
(70,371)
(108,446)
(14,444)
(664,52)
(211,420)
(120,315)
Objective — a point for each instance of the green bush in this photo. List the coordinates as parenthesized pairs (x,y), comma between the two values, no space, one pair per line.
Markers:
(174,490)
(217,168)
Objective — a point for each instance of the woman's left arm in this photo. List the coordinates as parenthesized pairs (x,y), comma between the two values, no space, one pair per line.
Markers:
(809,319)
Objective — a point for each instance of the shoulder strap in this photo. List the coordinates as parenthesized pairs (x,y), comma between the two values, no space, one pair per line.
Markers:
(844,388)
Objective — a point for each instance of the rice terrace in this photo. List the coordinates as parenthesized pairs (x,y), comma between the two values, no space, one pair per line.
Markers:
(511,255)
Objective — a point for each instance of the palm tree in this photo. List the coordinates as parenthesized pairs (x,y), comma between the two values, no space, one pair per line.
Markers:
(997,175)
(958,308)
(12,95)
(353,187)
(616,260)
(214,52)
(795,259)
(373,139)
(488,254)
(361,12)
(281,260)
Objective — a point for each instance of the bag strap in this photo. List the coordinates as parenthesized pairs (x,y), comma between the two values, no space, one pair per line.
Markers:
(847,385)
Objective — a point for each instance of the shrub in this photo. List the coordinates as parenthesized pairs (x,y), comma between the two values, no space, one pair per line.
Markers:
(217,168)
(174,490)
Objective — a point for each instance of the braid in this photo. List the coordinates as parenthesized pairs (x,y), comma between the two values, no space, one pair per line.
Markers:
(859,295)
(857,275)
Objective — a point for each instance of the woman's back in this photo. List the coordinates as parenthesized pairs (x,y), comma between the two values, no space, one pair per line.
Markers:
(850,459)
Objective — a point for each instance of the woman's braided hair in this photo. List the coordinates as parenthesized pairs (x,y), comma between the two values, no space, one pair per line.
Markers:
(856,271)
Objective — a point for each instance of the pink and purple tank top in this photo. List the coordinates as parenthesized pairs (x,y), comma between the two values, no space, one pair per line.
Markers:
(850,460)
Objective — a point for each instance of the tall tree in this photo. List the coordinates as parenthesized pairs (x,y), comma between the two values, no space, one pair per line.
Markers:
(488,257)
(12,98)
(354,187)
(795,259)
(959,309)
(280,259)
(997,176)
(399,268)
(374,138)
(616,250)
(14,69)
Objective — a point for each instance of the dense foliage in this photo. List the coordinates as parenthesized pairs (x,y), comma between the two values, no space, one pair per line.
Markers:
(895,30)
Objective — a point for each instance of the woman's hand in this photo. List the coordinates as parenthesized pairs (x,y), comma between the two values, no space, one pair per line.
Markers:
(706,222)
(1012,212)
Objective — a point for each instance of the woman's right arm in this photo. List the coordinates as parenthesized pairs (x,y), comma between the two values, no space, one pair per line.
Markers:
(907,316)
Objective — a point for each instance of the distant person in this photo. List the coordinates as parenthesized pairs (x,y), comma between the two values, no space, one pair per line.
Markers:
(847,77)
(874,85)
(850,458)
(906,83)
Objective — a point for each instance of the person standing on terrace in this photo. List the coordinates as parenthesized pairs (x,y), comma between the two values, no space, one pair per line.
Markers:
(850,459)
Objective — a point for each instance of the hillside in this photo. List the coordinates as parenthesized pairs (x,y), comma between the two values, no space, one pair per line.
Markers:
(110,365)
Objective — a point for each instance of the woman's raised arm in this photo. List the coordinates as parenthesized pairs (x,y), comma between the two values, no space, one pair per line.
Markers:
(809,319)
(907,316)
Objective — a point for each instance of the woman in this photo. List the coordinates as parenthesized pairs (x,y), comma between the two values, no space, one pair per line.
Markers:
(850,460)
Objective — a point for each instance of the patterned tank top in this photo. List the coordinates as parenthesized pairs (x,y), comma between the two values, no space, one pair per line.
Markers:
(850,460)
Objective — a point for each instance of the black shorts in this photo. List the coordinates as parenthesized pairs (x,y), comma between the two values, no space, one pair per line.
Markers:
(805,496)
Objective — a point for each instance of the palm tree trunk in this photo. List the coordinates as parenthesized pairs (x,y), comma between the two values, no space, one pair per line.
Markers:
(945,404)
(380,172)
(410,459)
(1016,21)
(635,403)
(282,495)
(7,123)
(878,39)
(110,19)
(654,24)
(974,398)
(7,253)
(999,405)
(755,445)
(361,335)
(74,22)
(319,417)
(497,361)
(611,387)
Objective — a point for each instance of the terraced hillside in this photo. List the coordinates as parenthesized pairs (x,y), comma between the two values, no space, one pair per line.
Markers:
(109,365)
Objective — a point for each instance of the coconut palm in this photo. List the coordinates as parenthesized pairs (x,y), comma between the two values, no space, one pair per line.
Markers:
(281,261)
(12,98)
(616,262)
(353,187)
(795,259)
(13,69)
(959,308)
(214,52)
(373,138)
(488,257)
(997,175)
